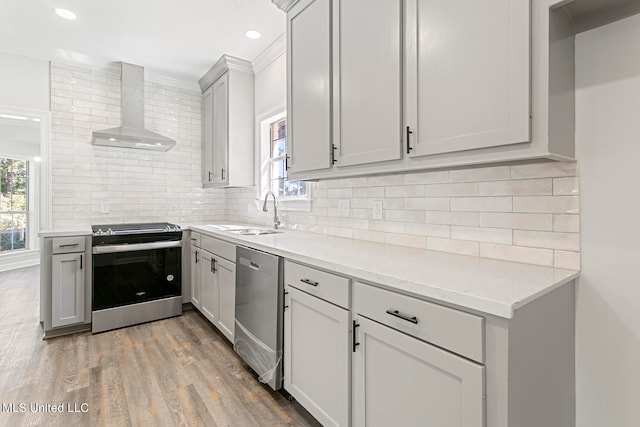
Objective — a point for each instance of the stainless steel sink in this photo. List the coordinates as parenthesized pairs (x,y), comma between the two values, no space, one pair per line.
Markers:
(253,231)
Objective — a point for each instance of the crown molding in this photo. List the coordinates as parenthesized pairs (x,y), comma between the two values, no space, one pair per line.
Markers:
(225,63)
(270,54)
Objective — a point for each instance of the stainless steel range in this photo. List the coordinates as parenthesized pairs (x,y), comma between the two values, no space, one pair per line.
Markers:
(136,274)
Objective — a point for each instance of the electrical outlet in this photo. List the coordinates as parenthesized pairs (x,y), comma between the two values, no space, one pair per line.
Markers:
(376,209)
(104,207)
(344,207)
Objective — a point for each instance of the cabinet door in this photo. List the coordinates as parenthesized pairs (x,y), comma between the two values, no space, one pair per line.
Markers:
(316,357)
(309,85)
(220,129)
(226,272)
(210,286)
(196,277)
(207,136)
(467,74)
(402,381)
(367,81)
(67,289)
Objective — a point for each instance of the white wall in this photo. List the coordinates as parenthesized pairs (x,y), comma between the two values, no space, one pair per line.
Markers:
(139,185)
(608,301)
(24,82)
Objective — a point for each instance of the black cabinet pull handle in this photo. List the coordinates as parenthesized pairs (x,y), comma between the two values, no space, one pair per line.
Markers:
(213,265)
(196,257)
(333,154)
(222,173)
(355,335)
(407,317)
(80,261)
(409,147)
(309,282)
(73,245)
(209,176)
(286,163)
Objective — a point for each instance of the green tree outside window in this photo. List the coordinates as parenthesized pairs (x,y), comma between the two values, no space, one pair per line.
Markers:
(14,204)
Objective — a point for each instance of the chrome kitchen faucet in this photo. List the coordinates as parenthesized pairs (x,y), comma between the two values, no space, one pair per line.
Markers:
(276,221)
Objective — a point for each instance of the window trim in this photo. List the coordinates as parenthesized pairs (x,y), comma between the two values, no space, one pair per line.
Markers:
(41,196)
(263,157)
(30,211)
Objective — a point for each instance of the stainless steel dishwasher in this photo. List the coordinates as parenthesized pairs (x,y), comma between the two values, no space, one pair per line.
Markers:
(258,335)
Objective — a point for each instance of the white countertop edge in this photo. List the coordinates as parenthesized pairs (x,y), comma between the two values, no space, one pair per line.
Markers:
(66,232)
(428,291)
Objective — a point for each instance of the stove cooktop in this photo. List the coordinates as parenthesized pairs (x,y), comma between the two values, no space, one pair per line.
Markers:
(135,228)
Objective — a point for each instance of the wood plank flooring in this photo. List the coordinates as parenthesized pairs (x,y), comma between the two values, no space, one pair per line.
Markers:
(173,372)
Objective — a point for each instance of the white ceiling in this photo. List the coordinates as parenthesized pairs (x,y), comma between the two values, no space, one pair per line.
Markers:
(177,39)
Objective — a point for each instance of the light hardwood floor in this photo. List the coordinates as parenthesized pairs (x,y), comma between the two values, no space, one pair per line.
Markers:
(173,372)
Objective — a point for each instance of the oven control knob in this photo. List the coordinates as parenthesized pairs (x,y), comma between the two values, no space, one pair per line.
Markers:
(110,231)
(99,232)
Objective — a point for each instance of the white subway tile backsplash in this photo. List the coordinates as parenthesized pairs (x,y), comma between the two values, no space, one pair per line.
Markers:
(565,186)
(517,254)
(480,234)
(566,223)
(480,174)
(138,185)
(569,260)
(453,218)
(426,177)
(481,204)
(452,190)
(525,187)
(453,246)
(522,221)
(409,240)
(547,204)
(547,239)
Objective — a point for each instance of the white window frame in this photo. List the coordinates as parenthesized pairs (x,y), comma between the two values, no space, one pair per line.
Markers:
(40,217)
(263,162)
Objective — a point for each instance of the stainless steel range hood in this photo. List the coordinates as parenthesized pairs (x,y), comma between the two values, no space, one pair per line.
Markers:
(132,133)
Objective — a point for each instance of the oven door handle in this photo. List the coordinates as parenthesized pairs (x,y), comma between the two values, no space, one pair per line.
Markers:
(109,249)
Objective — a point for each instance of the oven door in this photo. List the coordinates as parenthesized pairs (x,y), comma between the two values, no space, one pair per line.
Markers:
(134,273)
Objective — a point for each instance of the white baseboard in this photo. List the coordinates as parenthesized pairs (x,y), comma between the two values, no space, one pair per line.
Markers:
(12,261)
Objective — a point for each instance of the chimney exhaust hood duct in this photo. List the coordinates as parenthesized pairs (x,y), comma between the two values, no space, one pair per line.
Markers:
(132,133)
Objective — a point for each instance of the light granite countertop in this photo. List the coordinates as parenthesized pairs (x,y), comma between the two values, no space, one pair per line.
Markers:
(489,286)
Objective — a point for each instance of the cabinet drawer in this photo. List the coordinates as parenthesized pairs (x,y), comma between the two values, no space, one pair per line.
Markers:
(327,286)
(195,239)
(65,245)
(454,330)
(219,248)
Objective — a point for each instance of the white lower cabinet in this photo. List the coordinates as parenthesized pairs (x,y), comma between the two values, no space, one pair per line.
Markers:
(316,368)
(415,363)
(402,381)
(67,289)
(213,282)
(210,288)
(196,276)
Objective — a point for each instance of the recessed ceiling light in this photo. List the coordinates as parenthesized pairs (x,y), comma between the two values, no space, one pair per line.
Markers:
(64,13)
(253,34)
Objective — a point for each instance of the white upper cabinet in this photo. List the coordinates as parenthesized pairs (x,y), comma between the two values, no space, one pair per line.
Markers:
(367,70)
(467,74)
(309,86)
(228,124)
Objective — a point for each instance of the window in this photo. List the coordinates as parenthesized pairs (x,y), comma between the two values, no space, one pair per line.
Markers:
(277,172)
(14,204)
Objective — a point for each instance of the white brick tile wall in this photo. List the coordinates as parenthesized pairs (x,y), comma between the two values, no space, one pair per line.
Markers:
(525,213)
(139,185)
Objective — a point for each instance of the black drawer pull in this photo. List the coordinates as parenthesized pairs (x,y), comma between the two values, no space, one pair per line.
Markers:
(407,317)
(309,282)
(69,245)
